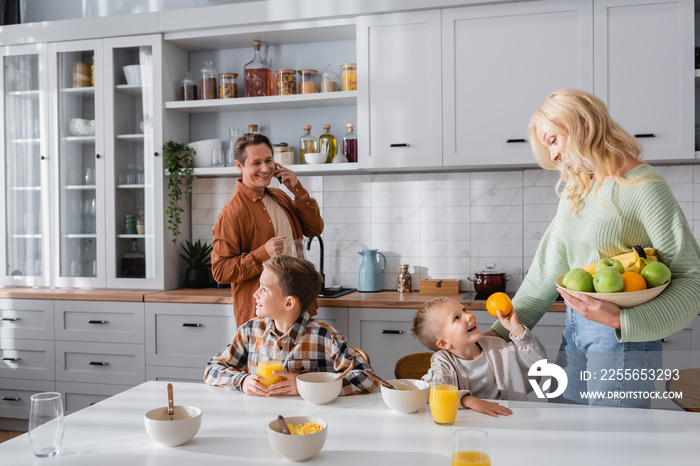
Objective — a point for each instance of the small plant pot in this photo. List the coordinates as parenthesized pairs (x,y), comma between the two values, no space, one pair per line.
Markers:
(197,277)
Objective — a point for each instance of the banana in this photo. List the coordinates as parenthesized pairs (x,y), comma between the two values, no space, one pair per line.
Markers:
(633,261)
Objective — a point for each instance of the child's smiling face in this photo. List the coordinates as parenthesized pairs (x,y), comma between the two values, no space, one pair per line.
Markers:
(457,326)
(269,300)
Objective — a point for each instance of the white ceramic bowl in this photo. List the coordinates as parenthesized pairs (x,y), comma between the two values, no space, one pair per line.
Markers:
(297,447)
(204,148)
(132,74)
(319,388)
(81,127)
(409,400)
(314,158)
(622,299)
(184,426)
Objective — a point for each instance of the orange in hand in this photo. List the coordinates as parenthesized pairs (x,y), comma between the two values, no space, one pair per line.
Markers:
(500,301)
(633,281)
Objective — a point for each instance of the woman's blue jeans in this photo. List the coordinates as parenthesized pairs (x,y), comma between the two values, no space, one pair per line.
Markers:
(595,362)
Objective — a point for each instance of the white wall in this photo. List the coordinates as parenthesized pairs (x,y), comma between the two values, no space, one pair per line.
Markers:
(445,225)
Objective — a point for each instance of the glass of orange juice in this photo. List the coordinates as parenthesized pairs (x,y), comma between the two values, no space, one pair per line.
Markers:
(444,397)
(269,361)
(471,448)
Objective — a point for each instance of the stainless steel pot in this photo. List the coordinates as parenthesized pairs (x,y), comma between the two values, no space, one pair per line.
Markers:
(489,280)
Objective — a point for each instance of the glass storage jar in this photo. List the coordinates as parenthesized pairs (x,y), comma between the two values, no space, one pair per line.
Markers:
(188,90)
(228,88)
(307,82)
(283,154)
(329,80)
(286,82)
(207,83)
(349,77)
(404,280)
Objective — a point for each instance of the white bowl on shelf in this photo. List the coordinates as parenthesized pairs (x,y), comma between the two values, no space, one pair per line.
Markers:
(315,158)
(132,73)
(204,148)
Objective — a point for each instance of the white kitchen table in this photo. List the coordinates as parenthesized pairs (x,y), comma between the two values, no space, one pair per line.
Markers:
(362,430)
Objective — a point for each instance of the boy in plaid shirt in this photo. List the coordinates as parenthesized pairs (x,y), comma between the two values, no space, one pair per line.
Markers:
(288,286)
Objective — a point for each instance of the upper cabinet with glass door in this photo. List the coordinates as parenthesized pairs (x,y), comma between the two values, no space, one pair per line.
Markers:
(78,164)
(24,174)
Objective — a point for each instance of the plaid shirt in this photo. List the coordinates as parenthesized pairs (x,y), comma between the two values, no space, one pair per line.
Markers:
(308,346)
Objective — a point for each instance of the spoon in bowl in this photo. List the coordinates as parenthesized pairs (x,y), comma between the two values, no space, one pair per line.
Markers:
(171,408)
(283,425)
(344,373)
(374,376)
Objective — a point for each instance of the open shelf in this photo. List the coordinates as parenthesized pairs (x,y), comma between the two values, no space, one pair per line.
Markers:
(277,102)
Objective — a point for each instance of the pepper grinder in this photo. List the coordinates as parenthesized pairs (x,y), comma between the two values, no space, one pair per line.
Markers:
(404,284)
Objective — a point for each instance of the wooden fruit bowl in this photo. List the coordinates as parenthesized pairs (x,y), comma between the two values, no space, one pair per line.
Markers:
(623,299)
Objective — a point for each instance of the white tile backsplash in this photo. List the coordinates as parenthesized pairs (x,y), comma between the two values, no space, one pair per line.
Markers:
(444,225)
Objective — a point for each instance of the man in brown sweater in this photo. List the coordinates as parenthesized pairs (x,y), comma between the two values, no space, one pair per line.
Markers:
(254,223)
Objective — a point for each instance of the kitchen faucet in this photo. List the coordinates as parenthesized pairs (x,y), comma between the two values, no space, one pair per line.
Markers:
(308,248)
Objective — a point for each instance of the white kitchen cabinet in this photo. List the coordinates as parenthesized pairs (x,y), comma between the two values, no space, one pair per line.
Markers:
(186,335)
(644,72)
(400,98)
(27,319)
(336,317)
(104,173)
(100,321)
(500,63)
(24,173)
(15,395)
(77,396)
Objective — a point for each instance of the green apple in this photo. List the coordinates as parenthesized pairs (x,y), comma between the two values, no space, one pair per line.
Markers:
(608,280)
(610,262)
(578,280)
(656,273)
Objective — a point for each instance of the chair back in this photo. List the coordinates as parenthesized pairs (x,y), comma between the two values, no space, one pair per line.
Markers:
(363,354)
(688,383)
(412,366)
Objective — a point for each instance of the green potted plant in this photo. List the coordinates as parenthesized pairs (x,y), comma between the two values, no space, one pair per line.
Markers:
(179,165)
(198,258)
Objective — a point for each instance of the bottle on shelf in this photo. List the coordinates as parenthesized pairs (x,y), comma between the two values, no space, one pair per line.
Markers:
(257,75)
(253,129)
(233,135)
(307,143)
(207,83)
(329,80)
(188,90)
(326,143)
(404,282)
(350,143)
(134,262)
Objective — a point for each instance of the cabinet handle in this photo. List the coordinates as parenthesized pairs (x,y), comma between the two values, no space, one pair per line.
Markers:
(10,319)
(392,332)
(99,363)
(190,324)
(10,398)
(98,322)
(42,157)
(97,156)
(155,154)
(11,359)
(403,144)
(510,141)
(645,135)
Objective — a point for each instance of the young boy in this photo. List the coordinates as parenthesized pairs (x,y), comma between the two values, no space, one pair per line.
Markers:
(485,365)
(288,287)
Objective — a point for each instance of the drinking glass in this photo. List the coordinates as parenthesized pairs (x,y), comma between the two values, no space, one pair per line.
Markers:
(217,158)
(444,397)
(471,448)
(268,361)
(46,423)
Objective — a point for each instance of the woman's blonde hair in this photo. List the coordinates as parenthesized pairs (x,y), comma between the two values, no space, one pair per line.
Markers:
(599,146)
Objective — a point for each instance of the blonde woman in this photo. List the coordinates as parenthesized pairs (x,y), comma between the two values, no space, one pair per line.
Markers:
(610,201)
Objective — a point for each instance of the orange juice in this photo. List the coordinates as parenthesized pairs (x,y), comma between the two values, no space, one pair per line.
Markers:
(265,369)
(470,458)
(444,403)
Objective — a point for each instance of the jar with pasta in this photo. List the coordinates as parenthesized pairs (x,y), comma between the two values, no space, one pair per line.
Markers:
(349,77)
(286,82)
(228,88)
(307,82)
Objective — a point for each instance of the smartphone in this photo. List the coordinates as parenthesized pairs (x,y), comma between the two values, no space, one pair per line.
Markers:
(279,178)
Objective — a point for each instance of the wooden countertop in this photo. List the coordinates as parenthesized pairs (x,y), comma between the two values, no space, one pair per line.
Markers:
(382,299)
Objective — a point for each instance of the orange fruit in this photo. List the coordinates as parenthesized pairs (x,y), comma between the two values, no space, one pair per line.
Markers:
(500,301)
(633,281)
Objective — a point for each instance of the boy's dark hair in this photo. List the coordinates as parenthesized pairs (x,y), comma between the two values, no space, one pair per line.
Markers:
(424,326)
(249,139)
(296,277)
